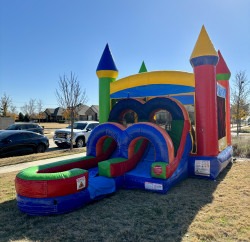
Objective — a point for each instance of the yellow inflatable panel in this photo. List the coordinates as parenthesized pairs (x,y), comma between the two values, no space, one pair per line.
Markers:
(222,143)
(107,73)
(154,77)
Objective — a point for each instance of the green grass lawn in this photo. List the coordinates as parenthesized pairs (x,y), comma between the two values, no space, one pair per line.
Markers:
(193,210)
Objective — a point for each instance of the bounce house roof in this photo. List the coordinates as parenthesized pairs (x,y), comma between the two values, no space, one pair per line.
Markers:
(106,62)
(178,84)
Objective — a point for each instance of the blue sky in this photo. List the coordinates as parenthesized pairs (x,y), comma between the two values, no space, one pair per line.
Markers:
(41,40)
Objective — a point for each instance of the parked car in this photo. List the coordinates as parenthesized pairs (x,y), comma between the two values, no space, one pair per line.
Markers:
(20,142)
(27,126)
(81,132)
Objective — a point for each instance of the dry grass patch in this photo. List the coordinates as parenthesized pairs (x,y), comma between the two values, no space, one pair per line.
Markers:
(227,217)
(241,147)
(54,125)
(194,210)
(49,128)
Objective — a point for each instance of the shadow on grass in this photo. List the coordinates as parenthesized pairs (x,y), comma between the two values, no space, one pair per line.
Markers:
(128,215)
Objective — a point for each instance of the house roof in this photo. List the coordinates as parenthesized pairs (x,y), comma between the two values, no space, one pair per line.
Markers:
(49,111)
(54,111)
(82,109)
(95,108)
(58,111)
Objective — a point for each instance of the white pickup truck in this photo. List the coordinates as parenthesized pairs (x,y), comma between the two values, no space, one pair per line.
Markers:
(81,132)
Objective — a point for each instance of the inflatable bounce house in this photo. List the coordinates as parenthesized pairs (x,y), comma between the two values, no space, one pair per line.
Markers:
(156,129)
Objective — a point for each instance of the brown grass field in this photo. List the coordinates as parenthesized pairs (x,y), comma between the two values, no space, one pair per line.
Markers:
(49,128)
(193,210)
(54,125)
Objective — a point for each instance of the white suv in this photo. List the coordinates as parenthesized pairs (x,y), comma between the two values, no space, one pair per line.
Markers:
(81,132)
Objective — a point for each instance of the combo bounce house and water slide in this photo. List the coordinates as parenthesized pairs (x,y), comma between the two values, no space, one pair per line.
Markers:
(133,147)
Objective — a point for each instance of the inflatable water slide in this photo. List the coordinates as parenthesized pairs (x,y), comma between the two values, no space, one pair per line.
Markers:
(142,156)
(156,129)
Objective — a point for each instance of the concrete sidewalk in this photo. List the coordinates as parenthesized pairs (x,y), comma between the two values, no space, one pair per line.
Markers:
(21,166)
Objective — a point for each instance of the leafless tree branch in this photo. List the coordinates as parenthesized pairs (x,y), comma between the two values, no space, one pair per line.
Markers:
(240,98)
(70,95)
(5,104)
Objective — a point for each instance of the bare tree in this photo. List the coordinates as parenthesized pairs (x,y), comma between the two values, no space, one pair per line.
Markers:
(239,98)
(24,108)
(39,107)
(13,112)
(5,104)
(69,95)
(13,109)
(30,108)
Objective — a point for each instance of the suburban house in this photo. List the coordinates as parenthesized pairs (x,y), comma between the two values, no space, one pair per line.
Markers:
(81,112)
(84,112)
(54,114)
(93,112)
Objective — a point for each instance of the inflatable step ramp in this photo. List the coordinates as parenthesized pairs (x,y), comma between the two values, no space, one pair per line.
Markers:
(118,166)
(111,171)
(100,186)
